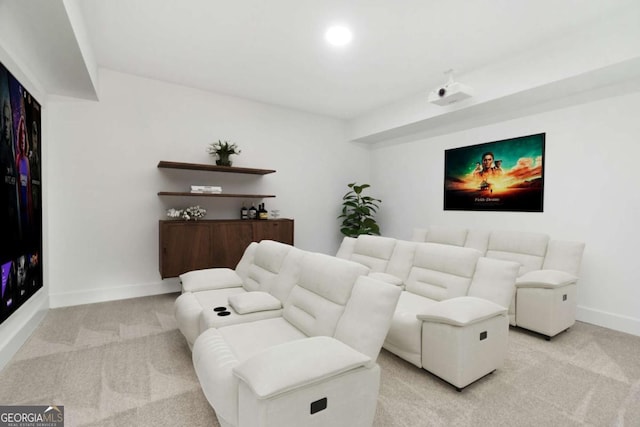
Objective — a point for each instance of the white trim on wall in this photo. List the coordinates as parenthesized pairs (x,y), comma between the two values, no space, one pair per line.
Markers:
(17,329)
(111,294)
(629,325)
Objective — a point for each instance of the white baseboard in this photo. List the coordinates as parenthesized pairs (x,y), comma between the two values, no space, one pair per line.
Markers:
(629,325)
(15,330)
(112,294)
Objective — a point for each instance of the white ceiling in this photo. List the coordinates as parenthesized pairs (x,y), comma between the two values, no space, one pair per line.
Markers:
(274,52)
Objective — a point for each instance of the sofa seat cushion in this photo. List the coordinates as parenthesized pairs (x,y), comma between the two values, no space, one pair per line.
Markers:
(405,333)
(190,305)
(250,302)
(246,339)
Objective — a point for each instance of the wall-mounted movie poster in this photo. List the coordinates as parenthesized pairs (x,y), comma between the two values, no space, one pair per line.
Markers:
(506,175)
(20,196)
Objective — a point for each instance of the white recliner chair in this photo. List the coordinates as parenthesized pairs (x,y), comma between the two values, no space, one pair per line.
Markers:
(258,288)
(313,366)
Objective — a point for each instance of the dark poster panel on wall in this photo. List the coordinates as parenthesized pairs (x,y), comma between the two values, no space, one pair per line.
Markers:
(506,175)
(20,194)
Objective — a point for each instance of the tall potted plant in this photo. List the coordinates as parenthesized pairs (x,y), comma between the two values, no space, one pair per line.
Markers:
(358,212)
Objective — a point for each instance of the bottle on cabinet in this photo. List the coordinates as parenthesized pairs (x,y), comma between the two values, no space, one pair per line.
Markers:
(244,212)
(262,212)
(253,212)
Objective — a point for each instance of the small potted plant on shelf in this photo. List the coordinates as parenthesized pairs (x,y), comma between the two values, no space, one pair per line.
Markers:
(222,151)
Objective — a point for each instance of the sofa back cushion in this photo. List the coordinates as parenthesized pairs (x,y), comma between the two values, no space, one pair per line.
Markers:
(346,247)
(267,261)
(564,256)
(288,275)
(478,239)
(494,280)
(440,234)
(475,239)
(441,272)
(242,268)
(447,235)
(367,316)
(324,286)
(528,249)
(401,260)
(373,251)
(419,235)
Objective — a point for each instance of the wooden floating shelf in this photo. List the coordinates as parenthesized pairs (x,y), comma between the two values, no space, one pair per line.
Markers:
(214,168)
(188,194)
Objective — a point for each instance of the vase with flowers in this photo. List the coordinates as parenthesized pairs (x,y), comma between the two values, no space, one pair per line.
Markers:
(222,151)
(192,213)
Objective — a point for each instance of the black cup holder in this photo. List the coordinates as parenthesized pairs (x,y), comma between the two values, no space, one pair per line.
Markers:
(224,313)
(220,309)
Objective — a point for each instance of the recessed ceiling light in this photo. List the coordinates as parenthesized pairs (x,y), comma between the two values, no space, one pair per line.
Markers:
(338,35)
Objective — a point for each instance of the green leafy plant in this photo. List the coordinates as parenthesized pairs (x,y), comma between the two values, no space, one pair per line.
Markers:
(222,151)
(358,212)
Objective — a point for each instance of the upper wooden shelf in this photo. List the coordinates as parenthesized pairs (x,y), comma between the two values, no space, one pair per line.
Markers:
(182,193)
(213,168)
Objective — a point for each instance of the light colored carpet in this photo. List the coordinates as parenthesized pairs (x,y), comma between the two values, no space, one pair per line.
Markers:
(124,363)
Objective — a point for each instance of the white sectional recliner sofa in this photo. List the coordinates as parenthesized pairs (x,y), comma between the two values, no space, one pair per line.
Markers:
(311,362)
(545,298)
(451,318)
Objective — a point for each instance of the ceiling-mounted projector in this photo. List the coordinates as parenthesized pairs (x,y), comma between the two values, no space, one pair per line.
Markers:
(451,92)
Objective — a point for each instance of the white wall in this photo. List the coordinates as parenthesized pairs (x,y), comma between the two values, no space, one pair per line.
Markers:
(104,179)
(592,189)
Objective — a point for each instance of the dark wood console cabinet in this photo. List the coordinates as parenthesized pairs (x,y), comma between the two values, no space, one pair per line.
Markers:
(194,245)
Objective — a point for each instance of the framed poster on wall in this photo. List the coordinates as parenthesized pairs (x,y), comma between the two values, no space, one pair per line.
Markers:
(20,194)
(506,175)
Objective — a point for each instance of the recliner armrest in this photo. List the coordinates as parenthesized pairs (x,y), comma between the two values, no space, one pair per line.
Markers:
(549,279)
(252,302)
(210,278)
(461,311)
(271,372)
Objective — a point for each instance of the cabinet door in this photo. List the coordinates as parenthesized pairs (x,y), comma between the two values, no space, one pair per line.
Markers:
(229,241)
(184,247)
(278,230)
